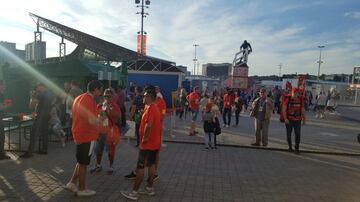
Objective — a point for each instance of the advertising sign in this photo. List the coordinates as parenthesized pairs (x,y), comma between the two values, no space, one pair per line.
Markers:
(100,75)
(240,71)
(239,82)
(357,72)
(109,76)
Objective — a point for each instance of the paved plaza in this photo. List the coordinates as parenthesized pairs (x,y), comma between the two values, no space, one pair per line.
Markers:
(190,173)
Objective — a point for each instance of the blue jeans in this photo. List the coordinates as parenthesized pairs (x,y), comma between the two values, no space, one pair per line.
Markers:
(209,137)
(101,144)
(194,115)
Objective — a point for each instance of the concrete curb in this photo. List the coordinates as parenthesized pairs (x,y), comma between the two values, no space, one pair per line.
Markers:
(350,118)
(348,105)
(261,148)
(268,148)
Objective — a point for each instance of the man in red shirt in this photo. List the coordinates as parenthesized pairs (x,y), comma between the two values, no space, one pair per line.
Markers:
(150,143)
(229,99)
(294,112)
(85,130)
(194,99)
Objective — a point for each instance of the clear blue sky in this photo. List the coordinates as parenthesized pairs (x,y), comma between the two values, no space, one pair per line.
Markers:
(279,31)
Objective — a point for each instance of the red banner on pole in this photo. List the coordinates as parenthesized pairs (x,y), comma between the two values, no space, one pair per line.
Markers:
(139,43)
(301,84)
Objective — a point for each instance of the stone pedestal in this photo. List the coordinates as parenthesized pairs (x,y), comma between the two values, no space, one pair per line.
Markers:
(239,76)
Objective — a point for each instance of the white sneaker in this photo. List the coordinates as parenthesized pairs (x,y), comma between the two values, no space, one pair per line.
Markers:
(71,187)
(148,191)
(86,192)
(133,195)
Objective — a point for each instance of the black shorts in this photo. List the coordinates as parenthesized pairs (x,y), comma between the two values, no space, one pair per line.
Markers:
(146,158)
(83,153)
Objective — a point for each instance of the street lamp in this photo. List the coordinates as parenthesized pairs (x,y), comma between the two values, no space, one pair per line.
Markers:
(143,15)
(320,61)
(280,67)
(195,45)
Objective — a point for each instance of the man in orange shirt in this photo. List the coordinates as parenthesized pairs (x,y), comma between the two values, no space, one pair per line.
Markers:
(150,143)
(85,130)
(161,104)
(193,99)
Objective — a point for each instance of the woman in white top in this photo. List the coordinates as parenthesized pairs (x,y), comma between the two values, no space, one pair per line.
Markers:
(320,105)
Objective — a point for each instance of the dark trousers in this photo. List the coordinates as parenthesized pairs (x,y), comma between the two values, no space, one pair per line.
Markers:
(123,116)
(2,138)
(296,125)
(215,140)
(277,107)
(181,111)
(181,114)
(237,115)
(137,127)
(227,112)
(40,128)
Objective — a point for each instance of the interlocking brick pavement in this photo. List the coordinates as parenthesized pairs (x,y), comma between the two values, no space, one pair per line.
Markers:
(190,173)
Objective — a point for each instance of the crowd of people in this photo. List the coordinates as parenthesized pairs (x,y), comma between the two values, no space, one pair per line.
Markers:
(96,118)
(227,103)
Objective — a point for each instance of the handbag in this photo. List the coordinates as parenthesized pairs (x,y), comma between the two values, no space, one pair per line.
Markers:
(217,128)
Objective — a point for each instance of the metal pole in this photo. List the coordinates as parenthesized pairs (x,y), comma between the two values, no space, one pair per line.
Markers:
(353,76)
(195,62)
(142,27)
(195,45)
(356,95)
(320,47)
(280,66)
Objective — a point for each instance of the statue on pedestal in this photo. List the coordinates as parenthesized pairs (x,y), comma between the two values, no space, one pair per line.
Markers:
(245,50)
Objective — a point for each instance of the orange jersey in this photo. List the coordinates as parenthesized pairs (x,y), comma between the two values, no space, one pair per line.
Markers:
(228,100)
(83,108)
(160,102)
(151,116)
(193,99)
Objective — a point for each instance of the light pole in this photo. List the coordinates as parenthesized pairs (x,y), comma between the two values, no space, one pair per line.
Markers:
(143,15)
(280,67)
(195,45)
(320,61)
